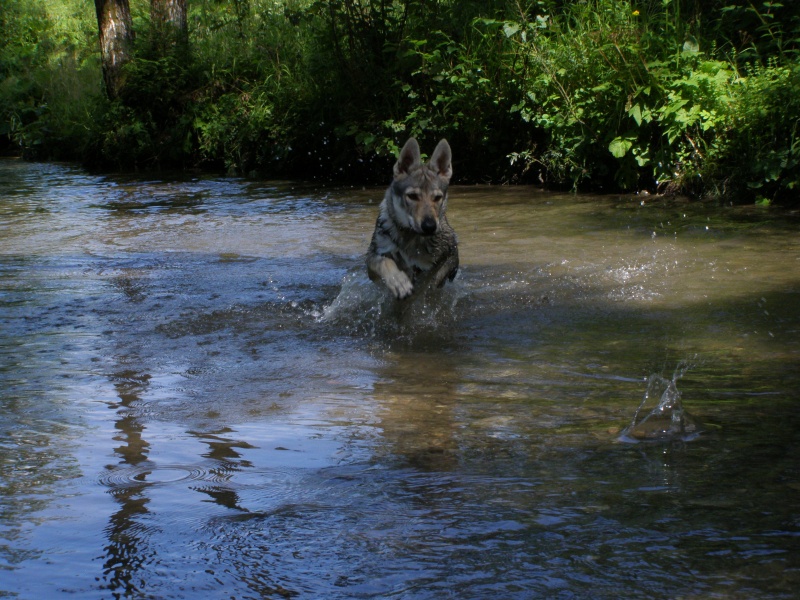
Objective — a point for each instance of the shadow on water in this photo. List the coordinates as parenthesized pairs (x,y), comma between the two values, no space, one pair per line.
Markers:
(203,395)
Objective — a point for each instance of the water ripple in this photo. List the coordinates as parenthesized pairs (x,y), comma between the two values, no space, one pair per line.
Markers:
(150,474)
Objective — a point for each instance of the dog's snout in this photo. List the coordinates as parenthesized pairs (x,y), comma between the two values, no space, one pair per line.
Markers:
(428,225)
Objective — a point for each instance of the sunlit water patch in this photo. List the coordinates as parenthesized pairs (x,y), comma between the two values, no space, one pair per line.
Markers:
(203,395)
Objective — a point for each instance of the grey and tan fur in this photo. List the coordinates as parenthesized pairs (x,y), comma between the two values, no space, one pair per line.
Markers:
(413,243)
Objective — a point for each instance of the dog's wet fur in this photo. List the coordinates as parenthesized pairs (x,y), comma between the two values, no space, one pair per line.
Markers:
(413,244)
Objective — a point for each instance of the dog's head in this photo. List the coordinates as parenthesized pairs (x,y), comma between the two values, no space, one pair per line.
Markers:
(419,191)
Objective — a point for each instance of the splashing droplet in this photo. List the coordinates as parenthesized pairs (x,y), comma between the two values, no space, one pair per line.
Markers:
(668,420)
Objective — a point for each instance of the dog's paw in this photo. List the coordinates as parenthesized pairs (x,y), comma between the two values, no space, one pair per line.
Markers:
(400,285)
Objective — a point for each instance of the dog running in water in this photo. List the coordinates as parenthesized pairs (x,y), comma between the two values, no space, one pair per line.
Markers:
(413,243)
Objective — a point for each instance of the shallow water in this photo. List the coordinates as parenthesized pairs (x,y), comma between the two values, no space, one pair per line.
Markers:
(202,396)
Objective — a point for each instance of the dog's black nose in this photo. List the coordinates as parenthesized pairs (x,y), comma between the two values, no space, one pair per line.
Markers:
(428,225)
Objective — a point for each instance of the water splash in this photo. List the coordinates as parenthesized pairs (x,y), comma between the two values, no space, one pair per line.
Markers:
(363,308)
(668,420)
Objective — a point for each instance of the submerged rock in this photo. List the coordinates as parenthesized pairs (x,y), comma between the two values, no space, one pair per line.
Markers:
(663,425)
(668,420)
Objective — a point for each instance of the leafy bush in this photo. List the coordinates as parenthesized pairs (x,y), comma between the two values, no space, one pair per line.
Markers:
(48,77)
(148,125)
(619,102)
(667,95)
(758,155)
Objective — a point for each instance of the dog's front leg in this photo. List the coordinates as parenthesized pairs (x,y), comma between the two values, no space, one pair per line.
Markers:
(447,270)
(385,269)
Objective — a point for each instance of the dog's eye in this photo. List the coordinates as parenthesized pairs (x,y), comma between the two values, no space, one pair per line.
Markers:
(438,198)
(412,196)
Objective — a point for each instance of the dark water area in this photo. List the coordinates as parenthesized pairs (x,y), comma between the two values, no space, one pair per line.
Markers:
(203,396)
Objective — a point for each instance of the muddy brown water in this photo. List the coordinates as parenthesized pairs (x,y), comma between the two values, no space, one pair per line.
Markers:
(202,396)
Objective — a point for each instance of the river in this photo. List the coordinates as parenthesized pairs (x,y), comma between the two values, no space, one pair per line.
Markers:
(203,396)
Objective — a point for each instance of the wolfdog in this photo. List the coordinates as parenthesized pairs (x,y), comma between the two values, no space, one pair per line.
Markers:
(413,243)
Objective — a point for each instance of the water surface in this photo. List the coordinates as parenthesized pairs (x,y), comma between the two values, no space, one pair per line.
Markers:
(202,396)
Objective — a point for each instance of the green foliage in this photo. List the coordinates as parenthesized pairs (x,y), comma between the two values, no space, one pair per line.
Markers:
(623,100)
(427,69)
(221,103)
(758,154)
(48,75)
(757,30)
(149,124)
(665,95)
(617,99)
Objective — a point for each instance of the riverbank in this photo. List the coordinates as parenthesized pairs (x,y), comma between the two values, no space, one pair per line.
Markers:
(603,96)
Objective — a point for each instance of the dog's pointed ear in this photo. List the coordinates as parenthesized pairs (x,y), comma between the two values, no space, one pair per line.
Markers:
(442,160)
(409,156)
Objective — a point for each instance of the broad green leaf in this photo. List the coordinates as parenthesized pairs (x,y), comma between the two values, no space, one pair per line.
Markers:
(619,146)
(510,29)
(636,112)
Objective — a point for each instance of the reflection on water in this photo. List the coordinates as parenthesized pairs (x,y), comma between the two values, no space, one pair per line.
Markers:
(202,395)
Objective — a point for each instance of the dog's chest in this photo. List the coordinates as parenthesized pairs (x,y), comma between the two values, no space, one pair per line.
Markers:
(418,253)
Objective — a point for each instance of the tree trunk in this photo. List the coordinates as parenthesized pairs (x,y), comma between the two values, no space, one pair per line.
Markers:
(116,36)
(169,25)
